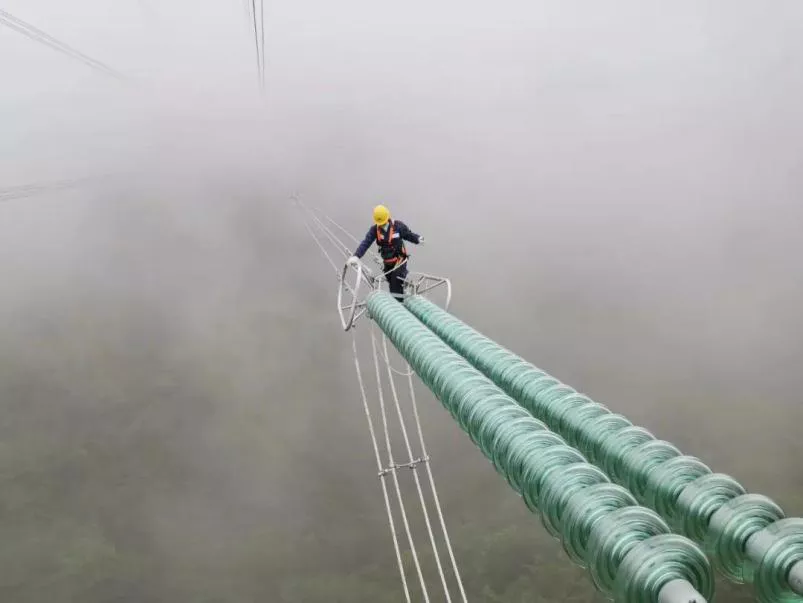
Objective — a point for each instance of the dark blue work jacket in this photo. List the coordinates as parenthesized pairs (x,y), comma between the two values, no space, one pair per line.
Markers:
(390,242)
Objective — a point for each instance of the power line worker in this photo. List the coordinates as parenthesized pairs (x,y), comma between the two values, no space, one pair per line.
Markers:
(389,235)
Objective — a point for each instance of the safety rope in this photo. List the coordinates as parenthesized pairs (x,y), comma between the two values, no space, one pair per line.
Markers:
(745,535)
(628,549)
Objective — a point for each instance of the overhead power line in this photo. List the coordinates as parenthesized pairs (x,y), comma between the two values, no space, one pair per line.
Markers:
(258,24)
(256,41)
(24,191)
(262,19)
(38,35)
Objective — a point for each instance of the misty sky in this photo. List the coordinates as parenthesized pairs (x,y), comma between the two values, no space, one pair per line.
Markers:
(614,187)
(515,83)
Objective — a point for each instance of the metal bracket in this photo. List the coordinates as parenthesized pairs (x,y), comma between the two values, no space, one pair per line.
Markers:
(422,283)
(419,283)
(411,465)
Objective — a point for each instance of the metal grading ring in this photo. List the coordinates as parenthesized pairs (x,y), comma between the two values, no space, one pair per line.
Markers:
(348,313)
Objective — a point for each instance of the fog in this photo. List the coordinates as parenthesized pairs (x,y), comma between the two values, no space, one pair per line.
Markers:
(613,188)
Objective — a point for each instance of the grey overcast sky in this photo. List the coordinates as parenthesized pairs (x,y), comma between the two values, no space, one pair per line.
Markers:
(507,77)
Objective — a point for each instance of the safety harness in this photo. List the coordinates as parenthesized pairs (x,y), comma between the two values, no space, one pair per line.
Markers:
(391,245)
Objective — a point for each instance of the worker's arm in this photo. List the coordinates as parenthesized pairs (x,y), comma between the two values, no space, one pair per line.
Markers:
(407,234)
(366,243)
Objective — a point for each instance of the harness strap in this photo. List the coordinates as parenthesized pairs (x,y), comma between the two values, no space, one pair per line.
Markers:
(388,243)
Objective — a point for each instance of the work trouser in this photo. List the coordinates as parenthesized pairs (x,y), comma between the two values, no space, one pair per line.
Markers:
(395,275)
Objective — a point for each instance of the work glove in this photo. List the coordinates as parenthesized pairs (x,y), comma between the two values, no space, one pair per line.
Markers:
(420,240)
(353,260)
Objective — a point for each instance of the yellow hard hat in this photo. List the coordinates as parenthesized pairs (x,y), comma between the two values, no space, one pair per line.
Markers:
(381,215)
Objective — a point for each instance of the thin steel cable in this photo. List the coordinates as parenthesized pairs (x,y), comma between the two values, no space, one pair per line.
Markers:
(375,256)
(411,460)
(391,466)
(382,475)
(329,235)
(344,251)
(26,191)
(335,224)
(38,35)
(256,41)
(36,186)
(308,217)
(340,228)
(22,191)
(262,17)
(354,239)
(332,236)
(431,478)
(332,263)
(318,210)
(322,248)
